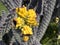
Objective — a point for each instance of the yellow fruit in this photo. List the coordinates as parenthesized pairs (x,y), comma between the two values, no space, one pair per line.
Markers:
(19,22)
(26,30)
(22,11)
(17,9)
(57,19)
(31,13)
(32,21)
(25,38)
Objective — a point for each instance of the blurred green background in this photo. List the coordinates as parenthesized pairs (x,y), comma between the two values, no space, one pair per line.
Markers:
(2,7)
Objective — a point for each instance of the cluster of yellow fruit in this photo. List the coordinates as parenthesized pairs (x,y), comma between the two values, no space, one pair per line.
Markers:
(19,22)
(28,15)
(26,19)
(26,30)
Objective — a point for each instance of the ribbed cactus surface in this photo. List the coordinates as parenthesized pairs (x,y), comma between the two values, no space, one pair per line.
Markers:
(47,7)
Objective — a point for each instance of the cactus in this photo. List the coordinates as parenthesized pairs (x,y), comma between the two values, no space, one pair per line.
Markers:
(47,8)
